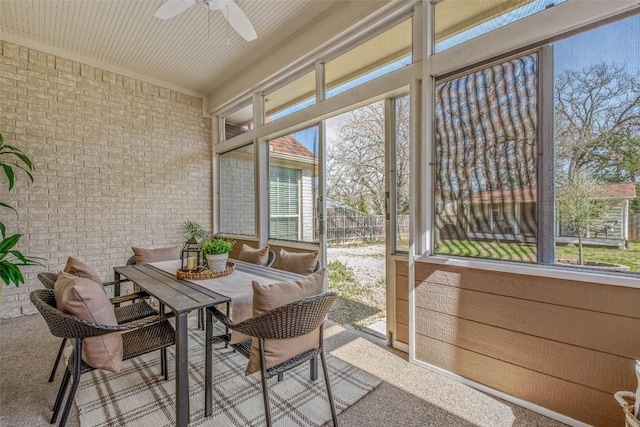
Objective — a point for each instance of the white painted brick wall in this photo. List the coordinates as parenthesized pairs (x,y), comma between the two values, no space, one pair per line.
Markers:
(119,163)
(237,211)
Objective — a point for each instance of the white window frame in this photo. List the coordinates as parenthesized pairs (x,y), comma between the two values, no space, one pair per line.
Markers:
(557,22)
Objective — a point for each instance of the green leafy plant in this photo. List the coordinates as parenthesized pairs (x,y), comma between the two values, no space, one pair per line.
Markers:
(193,229)
(217,246)
(12,159)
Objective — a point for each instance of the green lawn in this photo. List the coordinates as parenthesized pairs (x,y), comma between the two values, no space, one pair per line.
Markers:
(495,250)
(515,252)
(629,257)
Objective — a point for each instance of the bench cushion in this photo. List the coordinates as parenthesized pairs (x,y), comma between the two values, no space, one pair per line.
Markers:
(254,256)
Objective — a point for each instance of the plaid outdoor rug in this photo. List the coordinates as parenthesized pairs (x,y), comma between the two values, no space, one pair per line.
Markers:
(138,395)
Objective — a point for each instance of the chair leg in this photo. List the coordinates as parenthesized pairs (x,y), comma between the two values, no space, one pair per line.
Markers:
(313,368)
(163,364)
(60,397)
(76,381)
(201,319)
(72,394)
(57,362)
(263,377)
(329,394)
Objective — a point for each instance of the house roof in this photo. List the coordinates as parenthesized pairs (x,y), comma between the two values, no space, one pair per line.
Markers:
(291,146)
(505,195)
(621,190)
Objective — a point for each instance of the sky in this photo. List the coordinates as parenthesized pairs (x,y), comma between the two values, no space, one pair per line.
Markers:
(617,43)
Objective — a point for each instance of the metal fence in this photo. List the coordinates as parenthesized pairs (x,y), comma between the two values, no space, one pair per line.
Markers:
(634,227)
(346,226)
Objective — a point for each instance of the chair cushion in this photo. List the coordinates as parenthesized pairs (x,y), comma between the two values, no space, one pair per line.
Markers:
(78,268)
(145,256)
(274,295)
(83,298)
(296,262)
(254,256)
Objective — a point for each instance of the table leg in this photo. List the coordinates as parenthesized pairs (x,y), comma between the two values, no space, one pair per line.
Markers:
(208,363)
(182,372)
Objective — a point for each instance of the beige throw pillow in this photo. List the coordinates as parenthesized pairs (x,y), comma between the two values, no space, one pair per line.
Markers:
(296,262)
(254,256)
(145,256)
(274,295)
(87,300)
(78,268)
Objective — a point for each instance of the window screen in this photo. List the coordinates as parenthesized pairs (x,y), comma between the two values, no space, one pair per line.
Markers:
(486,142)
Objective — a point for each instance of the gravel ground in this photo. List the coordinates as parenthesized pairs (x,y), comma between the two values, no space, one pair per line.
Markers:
(361,286)
(367,262)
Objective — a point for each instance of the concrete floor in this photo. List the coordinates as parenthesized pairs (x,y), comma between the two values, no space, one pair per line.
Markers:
(408,395)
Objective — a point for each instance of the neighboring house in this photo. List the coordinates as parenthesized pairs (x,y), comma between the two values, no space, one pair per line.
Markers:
(510,215)
(291,190)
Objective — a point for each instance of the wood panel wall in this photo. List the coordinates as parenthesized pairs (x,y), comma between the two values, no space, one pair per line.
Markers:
(561,344)
(402,301)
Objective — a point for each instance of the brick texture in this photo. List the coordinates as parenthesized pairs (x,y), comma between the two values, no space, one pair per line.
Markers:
(119,163)
(237,194)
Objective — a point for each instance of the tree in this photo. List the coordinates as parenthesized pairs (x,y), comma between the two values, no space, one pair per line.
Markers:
(580,203)
(597,117)
(618,160)
(356,160)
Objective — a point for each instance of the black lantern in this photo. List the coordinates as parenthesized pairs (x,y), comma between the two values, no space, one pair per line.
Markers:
(191,256)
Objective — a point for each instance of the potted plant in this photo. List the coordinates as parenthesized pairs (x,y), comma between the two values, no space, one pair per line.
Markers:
(12,159)
(191,229)
(216,252)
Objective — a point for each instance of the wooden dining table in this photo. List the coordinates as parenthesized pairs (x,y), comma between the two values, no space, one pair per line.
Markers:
(183,296)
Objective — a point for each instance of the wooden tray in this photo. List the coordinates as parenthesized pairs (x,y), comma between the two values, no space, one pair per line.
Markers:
(207,274)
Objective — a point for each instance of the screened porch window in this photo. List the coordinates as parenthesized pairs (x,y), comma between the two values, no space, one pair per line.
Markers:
(458,21)
(486,176)
(568,198)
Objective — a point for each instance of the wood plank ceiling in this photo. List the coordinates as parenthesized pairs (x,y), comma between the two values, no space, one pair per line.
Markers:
(195,50)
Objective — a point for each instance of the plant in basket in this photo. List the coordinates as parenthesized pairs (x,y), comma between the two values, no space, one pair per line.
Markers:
(216,251)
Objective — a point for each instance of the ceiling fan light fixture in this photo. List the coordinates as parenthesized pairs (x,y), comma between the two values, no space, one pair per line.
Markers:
(217,4)
(235,17)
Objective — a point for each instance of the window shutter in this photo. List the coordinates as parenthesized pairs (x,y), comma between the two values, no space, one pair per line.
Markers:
(284,202)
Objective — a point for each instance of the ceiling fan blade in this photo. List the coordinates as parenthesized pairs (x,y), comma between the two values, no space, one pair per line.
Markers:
(172,8)
(239,21)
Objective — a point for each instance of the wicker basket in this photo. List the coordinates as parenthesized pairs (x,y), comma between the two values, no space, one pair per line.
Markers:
(206,274)
(626,399)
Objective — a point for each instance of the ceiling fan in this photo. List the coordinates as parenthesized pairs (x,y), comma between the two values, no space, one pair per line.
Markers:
(231,11)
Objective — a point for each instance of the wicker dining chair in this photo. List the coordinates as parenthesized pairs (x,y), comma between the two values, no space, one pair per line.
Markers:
(124,313)
(270,259)
(139,337)
(288,321)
